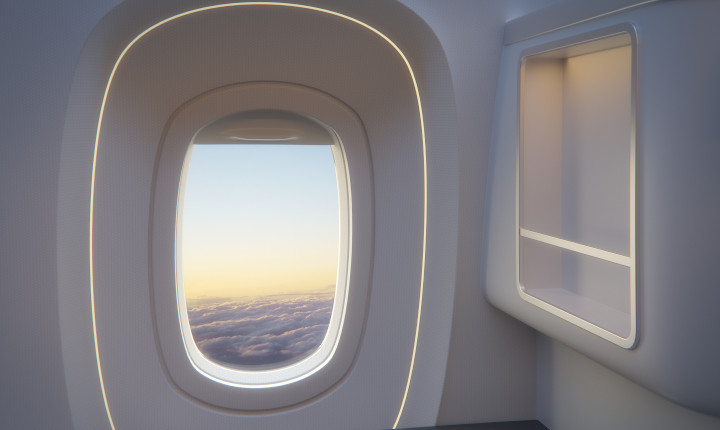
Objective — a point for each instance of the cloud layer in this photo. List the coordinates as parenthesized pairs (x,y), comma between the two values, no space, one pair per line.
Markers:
(261,331)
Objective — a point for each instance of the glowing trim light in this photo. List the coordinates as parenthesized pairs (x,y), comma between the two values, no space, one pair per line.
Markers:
(97,144)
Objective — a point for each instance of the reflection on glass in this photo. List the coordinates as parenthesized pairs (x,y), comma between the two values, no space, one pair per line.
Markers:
(259,251)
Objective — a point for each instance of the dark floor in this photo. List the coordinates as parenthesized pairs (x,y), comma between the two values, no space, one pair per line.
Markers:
(514,425)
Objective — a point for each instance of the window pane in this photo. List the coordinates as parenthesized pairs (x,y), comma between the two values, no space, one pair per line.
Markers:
(259,251)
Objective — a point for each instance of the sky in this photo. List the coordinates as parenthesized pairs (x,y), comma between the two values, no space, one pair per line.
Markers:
(259,220)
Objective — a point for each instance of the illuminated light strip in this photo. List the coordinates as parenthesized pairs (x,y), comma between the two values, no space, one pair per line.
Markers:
(97,144)
(578,247)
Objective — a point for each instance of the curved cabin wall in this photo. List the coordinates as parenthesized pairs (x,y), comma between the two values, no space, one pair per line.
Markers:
(677,205)
(411,142)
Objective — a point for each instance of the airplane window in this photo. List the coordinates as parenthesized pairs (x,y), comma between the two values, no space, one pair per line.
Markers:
(259,241)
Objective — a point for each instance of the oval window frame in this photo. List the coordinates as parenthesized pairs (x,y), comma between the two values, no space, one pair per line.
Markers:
(269,376)
(310,379)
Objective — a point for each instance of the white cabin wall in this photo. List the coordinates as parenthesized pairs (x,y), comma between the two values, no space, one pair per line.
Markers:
(679,106)
(40,44)
(679,206)
(491,365)
(429,368)
(575,392)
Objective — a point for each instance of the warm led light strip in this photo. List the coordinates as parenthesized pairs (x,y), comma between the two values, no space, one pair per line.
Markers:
(578,247)
(97,144)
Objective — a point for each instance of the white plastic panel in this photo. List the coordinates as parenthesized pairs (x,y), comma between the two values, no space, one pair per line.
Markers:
(243,389)
(212,46)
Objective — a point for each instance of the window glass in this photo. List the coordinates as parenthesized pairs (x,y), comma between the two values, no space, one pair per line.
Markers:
(259,250)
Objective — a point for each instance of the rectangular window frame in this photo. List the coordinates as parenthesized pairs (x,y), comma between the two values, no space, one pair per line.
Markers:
(575,308)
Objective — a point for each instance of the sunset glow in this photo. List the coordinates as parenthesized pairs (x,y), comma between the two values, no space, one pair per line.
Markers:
(259,220)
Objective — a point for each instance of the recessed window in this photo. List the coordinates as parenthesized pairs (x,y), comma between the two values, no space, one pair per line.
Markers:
(260,247)
(576,182)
